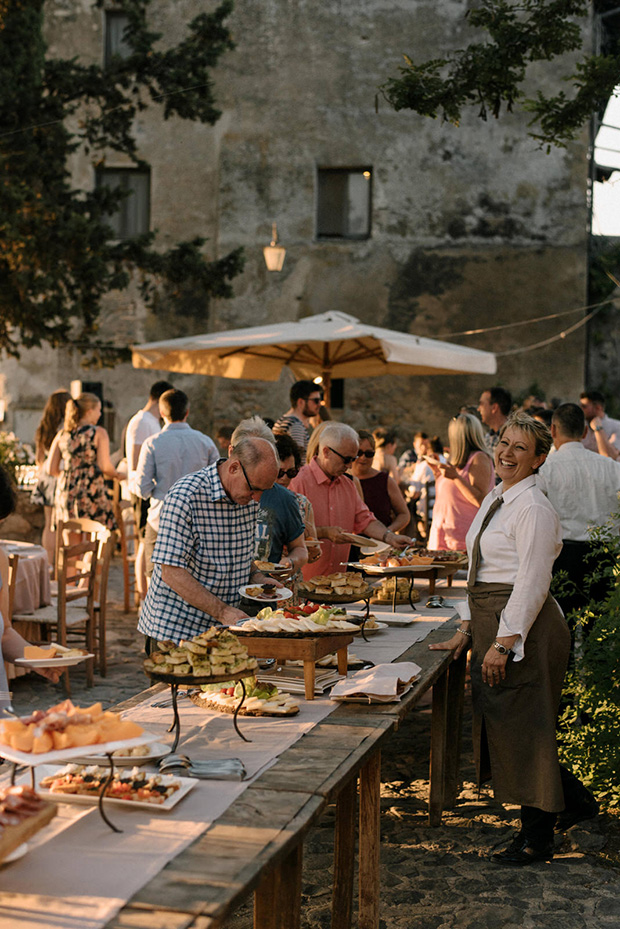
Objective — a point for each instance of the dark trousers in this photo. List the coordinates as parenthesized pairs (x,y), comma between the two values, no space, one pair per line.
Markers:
(579,560)
(537,825)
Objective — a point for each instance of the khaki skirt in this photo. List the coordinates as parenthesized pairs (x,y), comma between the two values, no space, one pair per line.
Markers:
(515,721)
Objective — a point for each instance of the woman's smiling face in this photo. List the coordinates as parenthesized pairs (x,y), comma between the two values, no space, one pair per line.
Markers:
(515,456)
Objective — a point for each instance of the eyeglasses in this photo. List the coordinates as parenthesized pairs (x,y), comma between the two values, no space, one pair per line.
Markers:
(290,472)
(346,458)
(314,399)
(367,454)
(255,490)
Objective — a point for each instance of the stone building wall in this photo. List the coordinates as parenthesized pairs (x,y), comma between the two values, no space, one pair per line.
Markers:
(472,227)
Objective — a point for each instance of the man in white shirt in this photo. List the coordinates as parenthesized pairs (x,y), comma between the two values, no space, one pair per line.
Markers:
(583,488)
(142,425)
(603,433)
(164,458)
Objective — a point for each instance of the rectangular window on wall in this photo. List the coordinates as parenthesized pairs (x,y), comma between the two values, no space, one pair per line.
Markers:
(344,202)
(114,41)
(133,215)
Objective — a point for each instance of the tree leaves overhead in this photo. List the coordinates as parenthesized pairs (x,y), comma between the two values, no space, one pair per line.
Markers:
(489,74)
(58,253)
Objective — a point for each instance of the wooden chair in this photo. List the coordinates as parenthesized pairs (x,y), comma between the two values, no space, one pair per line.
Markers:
(13,563)
(64,617)
(90,530)
(130,542)
(9,599)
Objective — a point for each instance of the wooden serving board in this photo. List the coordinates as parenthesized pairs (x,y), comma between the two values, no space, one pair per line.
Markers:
(307,648)
(13,836)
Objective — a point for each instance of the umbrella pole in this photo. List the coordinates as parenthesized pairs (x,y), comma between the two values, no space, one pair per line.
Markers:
(327,387)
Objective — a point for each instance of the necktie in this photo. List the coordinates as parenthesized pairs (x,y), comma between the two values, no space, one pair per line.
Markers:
(475,552)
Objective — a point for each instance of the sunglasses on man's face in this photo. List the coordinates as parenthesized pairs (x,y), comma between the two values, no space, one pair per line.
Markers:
(367,454)
(290,472)
(346,458)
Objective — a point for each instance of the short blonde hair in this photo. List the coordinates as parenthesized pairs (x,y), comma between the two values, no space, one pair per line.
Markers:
(532,427)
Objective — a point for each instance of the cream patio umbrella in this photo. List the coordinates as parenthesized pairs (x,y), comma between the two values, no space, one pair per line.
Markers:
(329,344)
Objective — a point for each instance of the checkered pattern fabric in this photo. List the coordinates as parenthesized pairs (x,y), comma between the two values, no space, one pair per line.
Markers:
(203,531)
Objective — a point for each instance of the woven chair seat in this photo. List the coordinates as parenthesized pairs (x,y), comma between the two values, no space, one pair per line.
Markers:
(76,615)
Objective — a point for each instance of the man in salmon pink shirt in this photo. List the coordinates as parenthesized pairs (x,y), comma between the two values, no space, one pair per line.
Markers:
(337,505)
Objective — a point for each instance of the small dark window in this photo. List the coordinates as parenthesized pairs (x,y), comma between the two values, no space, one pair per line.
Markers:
(343,203)
(133,215)
(115,44)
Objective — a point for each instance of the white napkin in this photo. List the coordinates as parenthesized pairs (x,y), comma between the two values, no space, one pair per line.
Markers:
(385,683)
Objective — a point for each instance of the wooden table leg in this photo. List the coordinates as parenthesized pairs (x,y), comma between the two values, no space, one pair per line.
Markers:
(343,660)
(437,775)
(344,856)
(369,843)
(309,673)
(431,582)
(454,725)
(277,899)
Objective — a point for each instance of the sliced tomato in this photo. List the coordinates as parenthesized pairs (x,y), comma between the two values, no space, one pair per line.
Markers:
(310,608)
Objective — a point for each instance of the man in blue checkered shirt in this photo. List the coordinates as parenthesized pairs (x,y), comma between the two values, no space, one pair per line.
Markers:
(205,544)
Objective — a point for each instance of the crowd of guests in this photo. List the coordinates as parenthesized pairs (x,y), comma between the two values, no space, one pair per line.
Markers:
(518,489)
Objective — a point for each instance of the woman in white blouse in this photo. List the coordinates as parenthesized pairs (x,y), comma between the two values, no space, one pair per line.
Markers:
(520,645)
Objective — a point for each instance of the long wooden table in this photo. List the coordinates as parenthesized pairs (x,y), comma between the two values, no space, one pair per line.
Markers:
(257,845)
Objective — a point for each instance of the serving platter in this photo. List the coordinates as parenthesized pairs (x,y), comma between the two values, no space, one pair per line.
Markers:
(157,751)
(362,593)
(385,571)
(70,754)
(281,593)
(187,784)
(305,634)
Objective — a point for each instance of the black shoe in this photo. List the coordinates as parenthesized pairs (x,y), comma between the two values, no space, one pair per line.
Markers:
(579,814)
(520,853)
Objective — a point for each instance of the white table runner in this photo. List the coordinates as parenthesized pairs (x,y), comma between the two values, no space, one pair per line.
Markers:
(78,874)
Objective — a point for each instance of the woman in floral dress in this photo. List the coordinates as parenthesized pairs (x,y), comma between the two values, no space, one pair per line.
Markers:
(84,448)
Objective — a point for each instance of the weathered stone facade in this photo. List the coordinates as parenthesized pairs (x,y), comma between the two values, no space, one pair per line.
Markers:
(472,227)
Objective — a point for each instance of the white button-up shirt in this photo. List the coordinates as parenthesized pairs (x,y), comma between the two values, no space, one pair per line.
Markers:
(582,487)
(518,547)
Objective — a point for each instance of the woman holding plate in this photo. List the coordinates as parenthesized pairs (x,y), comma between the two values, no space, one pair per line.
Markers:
(520,645)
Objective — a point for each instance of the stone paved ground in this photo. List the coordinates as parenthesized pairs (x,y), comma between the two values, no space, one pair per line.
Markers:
(431,878)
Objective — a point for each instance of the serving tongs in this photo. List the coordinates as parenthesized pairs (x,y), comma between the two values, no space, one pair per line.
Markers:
(225,769)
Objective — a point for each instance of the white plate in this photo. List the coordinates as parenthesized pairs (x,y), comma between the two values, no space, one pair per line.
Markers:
(16,854)
(187,783)
(157,751)
(355,539)
(388,620)
(68,754)
(58,662)
(372,630)
(282,593)
(374,549)
(374,700)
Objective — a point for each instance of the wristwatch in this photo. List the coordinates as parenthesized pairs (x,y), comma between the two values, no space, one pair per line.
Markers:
(501,648)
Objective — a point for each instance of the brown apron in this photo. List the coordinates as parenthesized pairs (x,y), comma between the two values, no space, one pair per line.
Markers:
(514,721)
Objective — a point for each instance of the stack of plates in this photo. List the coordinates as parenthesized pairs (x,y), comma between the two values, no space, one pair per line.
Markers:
(291,679)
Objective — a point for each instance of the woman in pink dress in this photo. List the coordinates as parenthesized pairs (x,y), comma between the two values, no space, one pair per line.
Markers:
(460,485)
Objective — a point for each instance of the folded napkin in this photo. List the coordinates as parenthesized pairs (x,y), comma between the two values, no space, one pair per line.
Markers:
(385,683)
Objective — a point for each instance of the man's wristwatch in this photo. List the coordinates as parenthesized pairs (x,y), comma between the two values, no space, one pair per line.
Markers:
(501,648)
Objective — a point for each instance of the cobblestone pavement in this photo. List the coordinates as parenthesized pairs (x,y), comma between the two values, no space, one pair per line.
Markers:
(431,878)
